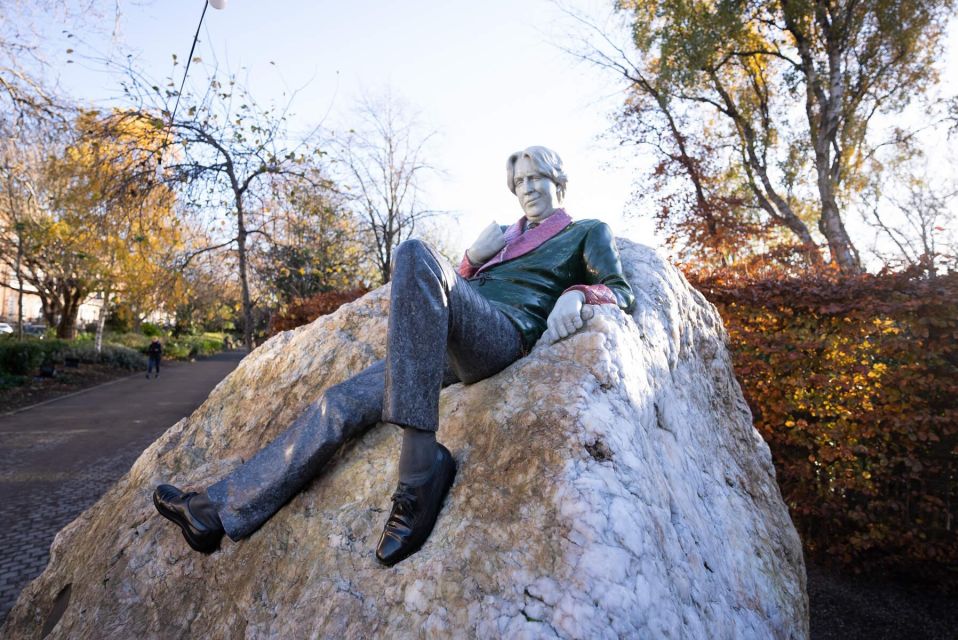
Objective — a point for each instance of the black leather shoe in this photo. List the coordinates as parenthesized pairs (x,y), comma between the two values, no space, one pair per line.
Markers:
(414,512)
(201,526)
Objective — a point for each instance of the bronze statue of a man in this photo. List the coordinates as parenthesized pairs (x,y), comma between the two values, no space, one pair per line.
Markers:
(514,286)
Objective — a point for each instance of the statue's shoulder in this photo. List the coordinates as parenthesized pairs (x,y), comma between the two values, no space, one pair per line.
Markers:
(586,225)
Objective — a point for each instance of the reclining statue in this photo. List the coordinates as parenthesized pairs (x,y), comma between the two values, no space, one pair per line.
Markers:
(515,285)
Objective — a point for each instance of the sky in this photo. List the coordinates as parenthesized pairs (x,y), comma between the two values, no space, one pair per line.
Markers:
(489,77)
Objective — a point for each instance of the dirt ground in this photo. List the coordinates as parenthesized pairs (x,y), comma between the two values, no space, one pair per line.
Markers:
(859,607)
(65,382)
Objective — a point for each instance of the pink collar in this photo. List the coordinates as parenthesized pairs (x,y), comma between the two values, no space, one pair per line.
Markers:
(519,243)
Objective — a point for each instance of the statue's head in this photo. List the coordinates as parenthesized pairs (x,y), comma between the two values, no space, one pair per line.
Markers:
(535,175)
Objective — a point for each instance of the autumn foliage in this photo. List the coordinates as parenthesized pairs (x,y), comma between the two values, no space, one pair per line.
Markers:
(853,382)
(304,310)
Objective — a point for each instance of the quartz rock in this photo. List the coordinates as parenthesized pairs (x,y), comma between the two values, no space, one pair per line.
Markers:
(610,485)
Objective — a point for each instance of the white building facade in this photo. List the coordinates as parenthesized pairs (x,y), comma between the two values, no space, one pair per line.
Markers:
(33,307)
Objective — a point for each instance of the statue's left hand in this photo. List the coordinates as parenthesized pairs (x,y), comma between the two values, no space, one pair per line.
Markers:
(567,316)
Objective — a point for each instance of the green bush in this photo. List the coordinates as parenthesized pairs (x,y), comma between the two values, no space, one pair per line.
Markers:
(8,381)
(210,343)
(24,358)
(54,350)
(111,354)
(122,350)
(149,329)
(191,346)
(21,358)
(176,350)
(122,357)
(135,341)
(118,322)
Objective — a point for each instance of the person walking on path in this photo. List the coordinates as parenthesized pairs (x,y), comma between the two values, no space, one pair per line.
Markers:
(154,352)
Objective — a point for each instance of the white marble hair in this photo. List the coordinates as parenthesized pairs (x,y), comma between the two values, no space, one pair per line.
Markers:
(547,162)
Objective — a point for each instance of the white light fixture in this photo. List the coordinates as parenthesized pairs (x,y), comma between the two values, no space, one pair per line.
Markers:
(218,4)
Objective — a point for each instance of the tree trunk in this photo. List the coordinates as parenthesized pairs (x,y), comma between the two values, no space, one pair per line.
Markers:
(66,328)
(19,285)
(244,280)
(840,245)
(755,166)
(50,307)
(823,99)
(830,223)
(101,321)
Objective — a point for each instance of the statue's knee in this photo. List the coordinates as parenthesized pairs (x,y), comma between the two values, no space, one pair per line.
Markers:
(411,248)
(333,403)
(410,253)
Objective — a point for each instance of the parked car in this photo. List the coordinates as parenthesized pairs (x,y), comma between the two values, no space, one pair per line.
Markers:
(35,330)
(5,328)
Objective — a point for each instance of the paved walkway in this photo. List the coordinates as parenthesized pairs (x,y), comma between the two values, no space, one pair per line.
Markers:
(58,458)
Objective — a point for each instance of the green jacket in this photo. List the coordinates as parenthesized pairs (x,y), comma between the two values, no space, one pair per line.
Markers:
(526,287)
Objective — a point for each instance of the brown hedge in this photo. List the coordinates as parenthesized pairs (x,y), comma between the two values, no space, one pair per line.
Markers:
(304,310)
(853,382)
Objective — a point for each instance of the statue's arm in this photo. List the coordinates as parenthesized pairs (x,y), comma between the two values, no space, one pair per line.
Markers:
(467,268)
(605,280)
(488,244)
(605,284)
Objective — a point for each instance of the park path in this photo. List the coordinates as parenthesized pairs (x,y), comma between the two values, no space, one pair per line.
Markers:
(58,458)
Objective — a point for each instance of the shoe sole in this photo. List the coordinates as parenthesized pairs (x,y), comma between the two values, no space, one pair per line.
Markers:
(442,501)
(195,544)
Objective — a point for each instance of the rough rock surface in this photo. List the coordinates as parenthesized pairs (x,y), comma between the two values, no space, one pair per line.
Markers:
(610,485)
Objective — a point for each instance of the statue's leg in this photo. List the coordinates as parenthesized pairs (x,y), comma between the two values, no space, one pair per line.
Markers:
(434,312)
(255,490)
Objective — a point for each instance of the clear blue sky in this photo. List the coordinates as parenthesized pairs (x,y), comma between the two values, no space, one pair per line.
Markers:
(488,76)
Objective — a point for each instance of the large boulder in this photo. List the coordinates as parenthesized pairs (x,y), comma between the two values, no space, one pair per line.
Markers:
(610,485)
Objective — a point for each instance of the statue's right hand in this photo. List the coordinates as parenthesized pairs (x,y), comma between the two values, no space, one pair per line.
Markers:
(488,244)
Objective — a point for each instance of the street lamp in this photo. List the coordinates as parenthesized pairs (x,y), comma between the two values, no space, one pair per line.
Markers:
(216,4)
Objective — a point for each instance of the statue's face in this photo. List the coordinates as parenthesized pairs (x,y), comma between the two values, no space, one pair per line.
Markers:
(536,192)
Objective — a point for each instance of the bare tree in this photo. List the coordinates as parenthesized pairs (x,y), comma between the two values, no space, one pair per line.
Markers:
(25,96)
(227,155)
(28,111)
(383,161)
(19,202)
(918,219)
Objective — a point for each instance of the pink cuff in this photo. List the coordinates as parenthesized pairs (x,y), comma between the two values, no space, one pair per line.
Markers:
(594,293)
(466,268)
